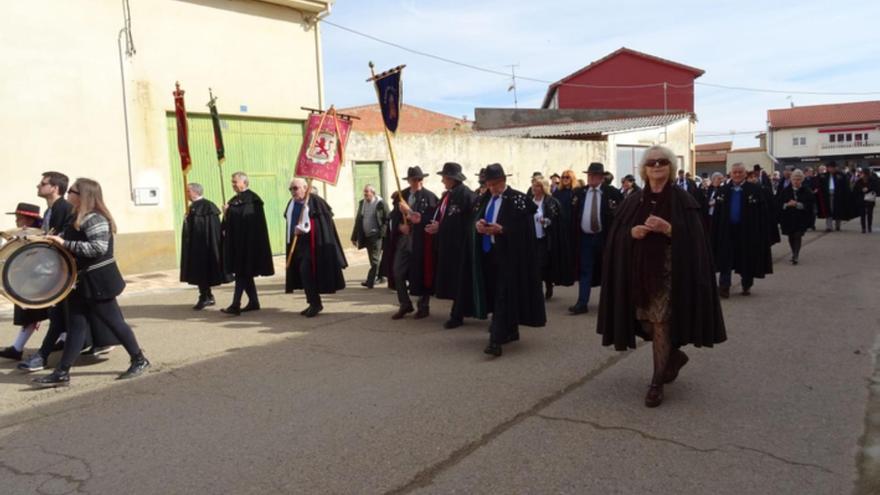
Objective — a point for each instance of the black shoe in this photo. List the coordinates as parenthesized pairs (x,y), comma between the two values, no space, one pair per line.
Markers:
(10,353)
(747,291)
(231,310)
(200,305)
(492,349)
(578,309)
(367,284)
(137,368)
(452,323)
(57,378)
(251,307)
(303,312)
(312,311)
(422,313)
(724,292)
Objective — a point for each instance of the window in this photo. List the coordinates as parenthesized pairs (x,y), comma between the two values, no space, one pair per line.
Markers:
(848,137)
(840,138)
(799,141)
(858,137)
(832,137)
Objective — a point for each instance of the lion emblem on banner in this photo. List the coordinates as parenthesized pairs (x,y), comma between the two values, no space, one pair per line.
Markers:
(323,150)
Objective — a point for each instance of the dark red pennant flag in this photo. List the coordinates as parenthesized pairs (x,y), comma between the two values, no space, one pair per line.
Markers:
(182,129)
(215,122)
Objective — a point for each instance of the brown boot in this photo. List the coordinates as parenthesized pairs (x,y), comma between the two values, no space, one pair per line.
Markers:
(676,363)
(402,312)
(654,397)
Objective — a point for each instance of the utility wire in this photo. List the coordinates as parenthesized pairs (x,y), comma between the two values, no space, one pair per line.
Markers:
(593,86)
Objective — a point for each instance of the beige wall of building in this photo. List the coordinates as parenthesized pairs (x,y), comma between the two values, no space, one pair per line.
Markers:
(63,104)
(781,142)
(749,158)
(678,136)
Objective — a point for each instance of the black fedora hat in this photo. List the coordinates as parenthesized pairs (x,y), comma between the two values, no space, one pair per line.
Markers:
(481,177)
(494,171)
(595,168)
(27,210)
(415,173)
(453,171)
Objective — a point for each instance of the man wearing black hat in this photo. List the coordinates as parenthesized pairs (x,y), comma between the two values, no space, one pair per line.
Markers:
(594,209)
(450,225)
(408,259)
(506,279)
(554,183)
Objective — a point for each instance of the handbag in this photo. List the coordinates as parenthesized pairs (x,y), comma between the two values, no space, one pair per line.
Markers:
(870,197)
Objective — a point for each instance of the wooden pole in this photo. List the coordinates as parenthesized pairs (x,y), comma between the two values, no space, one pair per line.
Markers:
(186,193)
(298,221)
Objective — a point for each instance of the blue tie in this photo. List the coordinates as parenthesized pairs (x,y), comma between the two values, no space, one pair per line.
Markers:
(487,239)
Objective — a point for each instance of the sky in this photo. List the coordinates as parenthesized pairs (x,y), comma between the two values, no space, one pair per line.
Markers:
(787,46)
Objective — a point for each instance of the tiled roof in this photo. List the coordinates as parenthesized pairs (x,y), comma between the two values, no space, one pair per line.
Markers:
(818,115)
(575,129)
(724,145)
(413,120)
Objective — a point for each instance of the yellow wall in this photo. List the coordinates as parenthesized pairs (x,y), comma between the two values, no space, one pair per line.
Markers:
(62,93)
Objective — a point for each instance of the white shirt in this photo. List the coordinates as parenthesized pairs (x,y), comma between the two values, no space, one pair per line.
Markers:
(588,208)
(539,215)
(830,184)
(304,226)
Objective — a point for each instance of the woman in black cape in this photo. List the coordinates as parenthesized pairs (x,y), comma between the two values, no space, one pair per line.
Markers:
(646,291)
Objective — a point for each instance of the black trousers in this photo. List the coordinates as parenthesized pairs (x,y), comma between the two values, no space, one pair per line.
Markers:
(245,285)
(57,326)
(402,260)
(867,216)
(503,327)
(205,292)
(794,242)
(81,313)
(302,261)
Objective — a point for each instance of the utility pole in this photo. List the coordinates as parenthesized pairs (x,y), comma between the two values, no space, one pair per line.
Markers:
(512,86)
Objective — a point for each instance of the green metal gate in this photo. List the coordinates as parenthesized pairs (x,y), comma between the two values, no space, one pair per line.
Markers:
(367,173)
(264,149)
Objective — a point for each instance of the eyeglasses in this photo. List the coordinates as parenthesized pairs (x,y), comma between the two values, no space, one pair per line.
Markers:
(73,191)
(658,162)
(293,188)
(565,177)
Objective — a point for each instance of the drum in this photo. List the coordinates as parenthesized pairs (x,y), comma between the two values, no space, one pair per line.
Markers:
(36,273)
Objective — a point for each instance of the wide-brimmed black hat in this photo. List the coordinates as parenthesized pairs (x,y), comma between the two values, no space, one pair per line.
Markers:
(595,168)
(415,173)
(494,171)
(481,177)
(27,210)
(453,171)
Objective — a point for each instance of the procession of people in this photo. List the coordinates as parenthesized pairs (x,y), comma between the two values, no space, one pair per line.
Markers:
(495,252)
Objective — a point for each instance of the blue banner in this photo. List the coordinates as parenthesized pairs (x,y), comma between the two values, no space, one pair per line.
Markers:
(390,89)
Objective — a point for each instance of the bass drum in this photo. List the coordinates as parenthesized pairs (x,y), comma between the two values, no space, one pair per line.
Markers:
(36,273)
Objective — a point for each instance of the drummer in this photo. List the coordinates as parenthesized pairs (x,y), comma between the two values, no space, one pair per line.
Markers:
(90,239)
(27,216)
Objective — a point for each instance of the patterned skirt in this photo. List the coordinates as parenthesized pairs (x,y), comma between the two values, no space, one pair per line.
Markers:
(659,308)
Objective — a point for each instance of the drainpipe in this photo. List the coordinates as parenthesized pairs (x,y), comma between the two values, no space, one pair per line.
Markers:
(122,32)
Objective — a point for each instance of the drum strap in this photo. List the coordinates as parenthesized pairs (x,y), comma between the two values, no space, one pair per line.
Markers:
(101,264)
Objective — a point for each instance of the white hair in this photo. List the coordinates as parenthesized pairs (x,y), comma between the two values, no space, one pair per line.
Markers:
(243,176)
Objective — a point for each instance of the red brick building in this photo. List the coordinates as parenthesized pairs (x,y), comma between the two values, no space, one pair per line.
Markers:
(633,80)
(413,120)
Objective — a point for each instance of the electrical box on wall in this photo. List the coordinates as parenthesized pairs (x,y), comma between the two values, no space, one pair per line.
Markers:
(145,196)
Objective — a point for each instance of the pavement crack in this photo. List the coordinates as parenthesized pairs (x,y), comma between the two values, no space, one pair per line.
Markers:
(426,476)
(76,482)
(677,443)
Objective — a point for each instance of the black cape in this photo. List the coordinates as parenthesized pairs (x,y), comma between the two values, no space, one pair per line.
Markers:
(798,219)
(751,256)
(843,208)
(559,252)
(567,276)
(246,248)
(201,262)
(696,316)
(322,241)
(420,275)
(454,279)
(516,246)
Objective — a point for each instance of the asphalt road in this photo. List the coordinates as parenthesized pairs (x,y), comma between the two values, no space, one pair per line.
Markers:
(352,402)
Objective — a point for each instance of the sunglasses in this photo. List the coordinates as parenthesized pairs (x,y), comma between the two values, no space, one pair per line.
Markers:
(73,191)
(293,188)
(659,162)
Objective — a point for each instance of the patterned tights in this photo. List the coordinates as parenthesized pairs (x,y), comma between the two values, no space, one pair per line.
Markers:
(658,334)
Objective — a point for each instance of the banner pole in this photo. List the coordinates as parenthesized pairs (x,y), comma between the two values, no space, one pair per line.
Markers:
(388,140)
(298,221)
